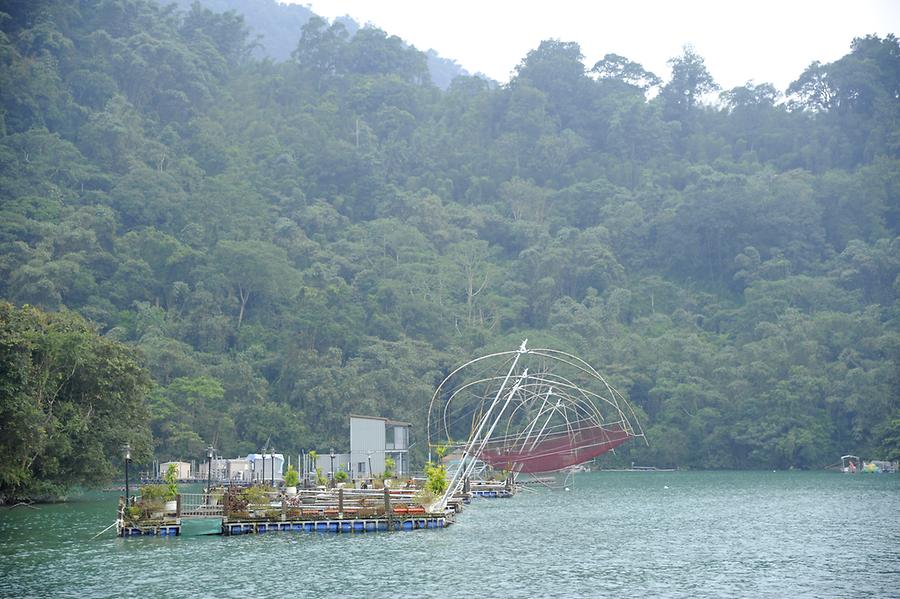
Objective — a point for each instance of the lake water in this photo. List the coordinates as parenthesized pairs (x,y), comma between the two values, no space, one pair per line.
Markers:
(679,534)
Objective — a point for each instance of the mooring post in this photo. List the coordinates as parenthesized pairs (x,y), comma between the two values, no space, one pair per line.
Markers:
(283,507)
(341,502)
(178,506)
(387,509)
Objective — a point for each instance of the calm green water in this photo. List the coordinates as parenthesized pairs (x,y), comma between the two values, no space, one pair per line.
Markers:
(680,534)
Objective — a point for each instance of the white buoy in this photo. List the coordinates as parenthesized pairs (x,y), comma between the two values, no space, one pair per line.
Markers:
(665,486)
(567,488)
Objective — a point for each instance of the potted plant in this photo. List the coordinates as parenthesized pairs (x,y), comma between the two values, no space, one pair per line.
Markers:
(257,500)
(436,478)
(152,501)
(291,478)
(132,514)
(341,477)
(171,496)
(389,465)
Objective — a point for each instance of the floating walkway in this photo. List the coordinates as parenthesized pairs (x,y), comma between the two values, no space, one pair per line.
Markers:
(490,489)
(493,493)
(169,528)
(254,512)
(344,525)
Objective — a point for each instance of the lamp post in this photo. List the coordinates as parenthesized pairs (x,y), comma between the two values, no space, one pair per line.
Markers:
(371,476)
(210,451)
(127,449)
(332,456)
(272,456)
(263,476)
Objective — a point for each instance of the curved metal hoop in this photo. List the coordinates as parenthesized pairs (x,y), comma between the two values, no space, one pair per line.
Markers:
(527,410)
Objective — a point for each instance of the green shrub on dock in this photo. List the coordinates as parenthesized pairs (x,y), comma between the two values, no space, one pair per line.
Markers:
(234,503)
(291,477)
(255,495)
(154,492)
(171,486)
(133,513)
(436,478)
(153,499)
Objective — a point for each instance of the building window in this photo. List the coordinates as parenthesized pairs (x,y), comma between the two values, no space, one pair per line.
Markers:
(361,467)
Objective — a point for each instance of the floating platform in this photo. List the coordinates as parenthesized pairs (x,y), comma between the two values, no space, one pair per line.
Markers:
(233,513)
(356,525)
(492,493)
(490,489)
(158,529)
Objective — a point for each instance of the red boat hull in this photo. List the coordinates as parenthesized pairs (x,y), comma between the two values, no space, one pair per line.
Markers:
(558,452)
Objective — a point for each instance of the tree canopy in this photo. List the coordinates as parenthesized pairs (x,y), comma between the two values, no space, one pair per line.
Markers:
(71,400)
(286,242)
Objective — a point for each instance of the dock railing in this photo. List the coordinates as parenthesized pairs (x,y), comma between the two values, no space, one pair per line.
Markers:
(322,504)
(266,504)
(200,505)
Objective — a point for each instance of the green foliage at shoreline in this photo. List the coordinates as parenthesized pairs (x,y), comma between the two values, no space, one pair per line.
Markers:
(70,400)
(287,243)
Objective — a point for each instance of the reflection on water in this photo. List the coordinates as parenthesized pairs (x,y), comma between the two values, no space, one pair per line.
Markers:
(673,534)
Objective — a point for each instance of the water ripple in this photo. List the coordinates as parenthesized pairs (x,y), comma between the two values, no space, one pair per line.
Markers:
(706,535)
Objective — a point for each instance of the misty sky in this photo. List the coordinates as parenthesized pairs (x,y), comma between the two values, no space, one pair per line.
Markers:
(762,40)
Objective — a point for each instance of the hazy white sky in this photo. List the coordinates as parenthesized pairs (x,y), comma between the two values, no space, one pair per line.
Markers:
(763,40)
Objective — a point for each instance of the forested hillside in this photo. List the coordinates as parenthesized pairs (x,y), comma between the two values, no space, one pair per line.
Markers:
(286,243)
(275,28)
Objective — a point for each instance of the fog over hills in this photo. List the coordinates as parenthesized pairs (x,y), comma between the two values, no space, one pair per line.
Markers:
(276,27)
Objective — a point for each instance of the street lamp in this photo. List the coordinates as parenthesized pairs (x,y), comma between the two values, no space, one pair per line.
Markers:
(210,451)
(272,455)
(370,464)
(127,449)
(332,467)
(262,477)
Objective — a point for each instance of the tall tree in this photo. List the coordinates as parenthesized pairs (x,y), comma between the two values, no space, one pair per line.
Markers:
(69,399)
(690,81)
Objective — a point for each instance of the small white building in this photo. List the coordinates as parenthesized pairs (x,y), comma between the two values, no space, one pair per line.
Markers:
(238,470)
(262,466)
(228,469)
(374,439)
(182,470)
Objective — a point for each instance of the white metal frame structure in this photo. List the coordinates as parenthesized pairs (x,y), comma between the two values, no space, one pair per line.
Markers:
(519,401)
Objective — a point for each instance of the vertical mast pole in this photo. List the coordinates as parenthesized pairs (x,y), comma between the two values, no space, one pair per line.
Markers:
(467,463)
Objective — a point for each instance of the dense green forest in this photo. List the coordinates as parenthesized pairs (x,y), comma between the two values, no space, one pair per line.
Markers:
(287,242)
